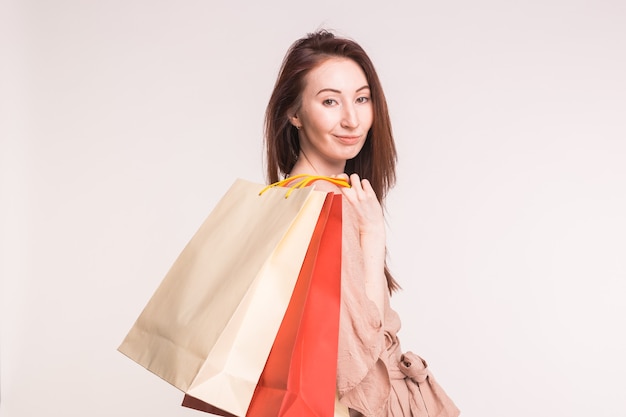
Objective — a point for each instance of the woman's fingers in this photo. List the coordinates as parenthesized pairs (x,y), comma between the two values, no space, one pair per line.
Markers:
(362,197)
(355,181)
(355,185)
(342,177)
(367,186)
(361,189)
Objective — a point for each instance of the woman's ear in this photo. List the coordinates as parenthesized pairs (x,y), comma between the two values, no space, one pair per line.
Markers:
(295,121)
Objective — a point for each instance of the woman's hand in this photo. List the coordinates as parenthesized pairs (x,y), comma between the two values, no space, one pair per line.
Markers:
(363,200)
(371,224)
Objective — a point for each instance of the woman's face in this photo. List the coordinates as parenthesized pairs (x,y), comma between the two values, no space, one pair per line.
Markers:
(335,115)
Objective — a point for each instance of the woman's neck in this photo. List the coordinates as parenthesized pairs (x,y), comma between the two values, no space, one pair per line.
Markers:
(304,166)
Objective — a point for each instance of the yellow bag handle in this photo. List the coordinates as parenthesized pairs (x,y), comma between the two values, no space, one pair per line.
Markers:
(304,180)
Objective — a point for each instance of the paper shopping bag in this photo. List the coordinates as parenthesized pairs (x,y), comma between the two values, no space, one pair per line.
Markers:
(200,331)
(299,378)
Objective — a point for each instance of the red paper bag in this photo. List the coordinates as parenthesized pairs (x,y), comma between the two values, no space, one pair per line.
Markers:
(299,378)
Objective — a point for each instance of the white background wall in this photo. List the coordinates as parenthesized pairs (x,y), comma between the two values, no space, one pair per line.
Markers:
(123,122)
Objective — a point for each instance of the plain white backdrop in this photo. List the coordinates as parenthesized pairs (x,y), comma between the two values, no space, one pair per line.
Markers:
(123,122)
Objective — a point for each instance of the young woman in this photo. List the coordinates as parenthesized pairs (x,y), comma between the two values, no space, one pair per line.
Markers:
(328,116)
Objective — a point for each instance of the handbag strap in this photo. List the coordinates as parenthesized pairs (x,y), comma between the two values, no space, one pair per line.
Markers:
(304,180)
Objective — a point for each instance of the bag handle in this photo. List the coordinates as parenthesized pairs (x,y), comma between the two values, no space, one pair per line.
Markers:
(304,180)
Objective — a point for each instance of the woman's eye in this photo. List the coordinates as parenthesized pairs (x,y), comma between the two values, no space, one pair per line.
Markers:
(362,100)
(329,102)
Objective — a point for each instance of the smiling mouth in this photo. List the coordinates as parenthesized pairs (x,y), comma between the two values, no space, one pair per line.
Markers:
(349,139)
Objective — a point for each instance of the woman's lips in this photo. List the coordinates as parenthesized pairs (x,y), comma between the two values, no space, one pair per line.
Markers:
(348,139)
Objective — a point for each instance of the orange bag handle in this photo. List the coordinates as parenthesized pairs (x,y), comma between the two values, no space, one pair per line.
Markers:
(305,180)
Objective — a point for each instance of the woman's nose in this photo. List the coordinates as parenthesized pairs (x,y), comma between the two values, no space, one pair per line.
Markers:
(350,118)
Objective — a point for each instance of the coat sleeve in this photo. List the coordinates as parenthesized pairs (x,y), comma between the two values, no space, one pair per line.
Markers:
(373,376)
(362,378)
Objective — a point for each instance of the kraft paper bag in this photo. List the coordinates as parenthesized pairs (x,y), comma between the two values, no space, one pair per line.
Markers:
(299,377)
(199,331)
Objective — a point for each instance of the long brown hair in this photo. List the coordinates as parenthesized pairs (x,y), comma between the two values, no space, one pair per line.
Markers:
(377,159)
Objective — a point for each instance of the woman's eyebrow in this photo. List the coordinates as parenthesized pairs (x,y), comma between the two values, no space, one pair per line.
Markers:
(333,90)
